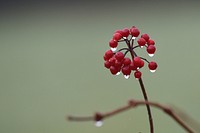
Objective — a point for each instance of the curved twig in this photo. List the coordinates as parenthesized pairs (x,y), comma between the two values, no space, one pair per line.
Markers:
(134,104)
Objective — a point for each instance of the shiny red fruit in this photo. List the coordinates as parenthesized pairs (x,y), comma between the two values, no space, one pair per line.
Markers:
(134,31)
(141,41)
(108,54)
(113,70)
(118,64)
(141,64)
(150,42)
(112,61)
(133,66)
(137,61)
(151,49)
(127,61)
(119,56)
(126,70)
(137,74)
(125,32)
(152,65)
(107,64)
(117,36)
(113,43)
(145,36)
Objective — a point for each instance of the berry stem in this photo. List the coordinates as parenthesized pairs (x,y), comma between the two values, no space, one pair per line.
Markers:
(123,49)
(135,47)
(144,59)
(130,49)
(147,105)
(142,88)
(126,52)
(132,42)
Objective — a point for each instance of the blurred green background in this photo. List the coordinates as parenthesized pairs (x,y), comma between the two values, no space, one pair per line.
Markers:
(51,57)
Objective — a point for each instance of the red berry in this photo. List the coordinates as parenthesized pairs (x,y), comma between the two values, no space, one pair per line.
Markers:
(133,66)
(113,70)
(126,70)
(105,58)
(141,64)
(125,32)
(119,56)
(134,32)
(107,64)
(137,61)
(118,64)
(137,74)
(117,36)
(112,61)
(152,65)
(141,41)
(113,43)
(108,54)
(150,42)
(151,49)
(127,61)
(145,36)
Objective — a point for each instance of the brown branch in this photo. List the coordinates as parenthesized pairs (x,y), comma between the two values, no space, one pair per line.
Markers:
(133,104)
(143,90)
(147,105)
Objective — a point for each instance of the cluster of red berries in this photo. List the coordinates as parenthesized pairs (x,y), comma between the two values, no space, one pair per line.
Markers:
(117,61)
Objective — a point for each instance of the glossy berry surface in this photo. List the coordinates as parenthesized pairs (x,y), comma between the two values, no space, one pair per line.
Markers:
(107,64)
(133,66)
(134,32)
(150,42)
(113,70)
(141,41)
(145,36)
(137,61)
(113,43)
(126,60)
(119,56)
(108,54)
(141,64)
(152,65)
(137,74)
(126,70)
(151,49)
(125,32)
(117,36)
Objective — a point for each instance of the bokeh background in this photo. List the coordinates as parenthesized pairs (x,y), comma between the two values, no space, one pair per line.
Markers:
(51,64)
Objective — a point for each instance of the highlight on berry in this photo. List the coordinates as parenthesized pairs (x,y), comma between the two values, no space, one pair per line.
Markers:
(119,61)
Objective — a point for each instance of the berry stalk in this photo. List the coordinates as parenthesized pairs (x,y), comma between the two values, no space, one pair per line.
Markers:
(143,91)
(147,105)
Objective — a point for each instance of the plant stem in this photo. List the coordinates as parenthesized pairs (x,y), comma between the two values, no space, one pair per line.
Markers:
(142,88)
(147,105)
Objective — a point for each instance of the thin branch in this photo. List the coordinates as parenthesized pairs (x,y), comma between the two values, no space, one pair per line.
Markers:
(143,90)
(147,106)
(134,104)
(122,40)
(138,46)
(144,59)
(123,49)
(132,42)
